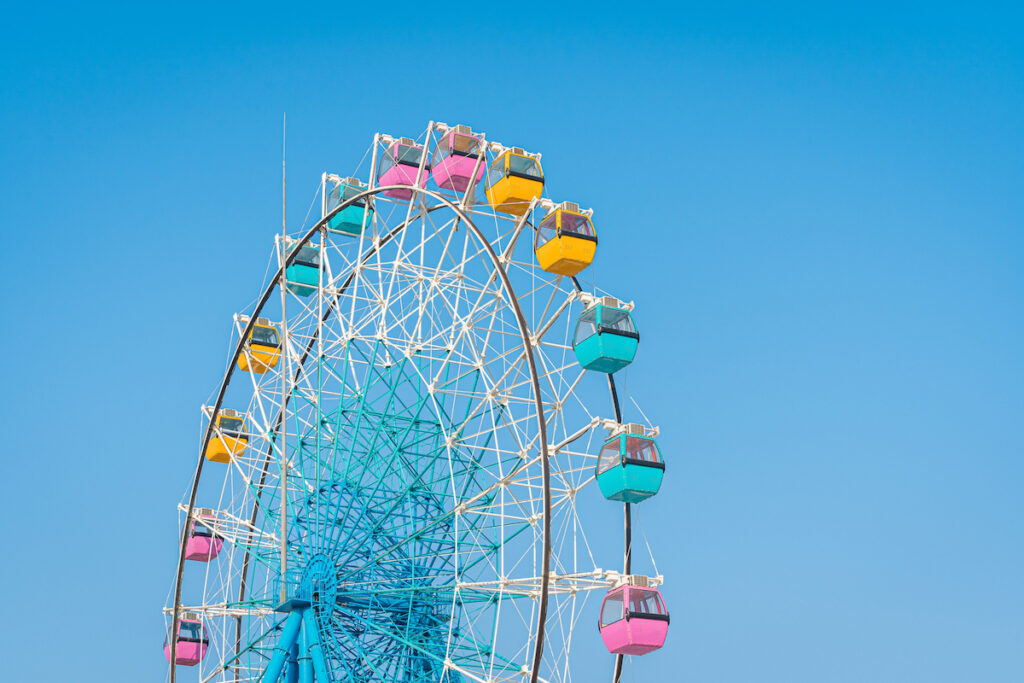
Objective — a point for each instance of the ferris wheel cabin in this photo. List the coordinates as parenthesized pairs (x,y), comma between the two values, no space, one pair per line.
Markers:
(630,467)
(514,179)
(262,348)
(606,338)
(203,543)
(634,619)
(566,241)
(303,275)
(352,219)
(193,641)
(458,160)
(401,166)
(229,439)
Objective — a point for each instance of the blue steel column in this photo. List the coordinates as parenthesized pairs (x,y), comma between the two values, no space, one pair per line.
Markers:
(305,660)
(315,649)
(284,644)
(292,672)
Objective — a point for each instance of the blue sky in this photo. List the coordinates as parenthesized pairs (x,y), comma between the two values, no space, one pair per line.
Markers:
(818,211)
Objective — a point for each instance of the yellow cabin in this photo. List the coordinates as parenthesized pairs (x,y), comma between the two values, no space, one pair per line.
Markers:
(229,438)
(262,349)
(514,179)
(566,241)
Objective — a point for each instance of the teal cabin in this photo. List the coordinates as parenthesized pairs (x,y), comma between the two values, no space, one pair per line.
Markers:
(303,275)
(606,339)
(630,468)
(353,218)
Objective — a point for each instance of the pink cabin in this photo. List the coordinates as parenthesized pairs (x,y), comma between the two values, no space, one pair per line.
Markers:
(634,620)
(192,641)
(457,160)
(401,166)
(203,544)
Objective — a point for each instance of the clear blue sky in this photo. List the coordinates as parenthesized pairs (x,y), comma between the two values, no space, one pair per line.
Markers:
(820,214)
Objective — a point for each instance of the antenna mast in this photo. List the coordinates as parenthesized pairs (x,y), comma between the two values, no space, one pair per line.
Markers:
(284,147)
(284,375)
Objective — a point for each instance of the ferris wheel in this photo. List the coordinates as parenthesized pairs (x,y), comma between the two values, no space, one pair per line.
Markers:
(395,471)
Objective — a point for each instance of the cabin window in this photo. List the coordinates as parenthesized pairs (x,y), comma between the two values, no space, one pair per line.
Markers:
(617,320)
(230,425)
(190,630)
(409,156)
(308,256)
(575,224)
(265,336)
(351,191)
(587,326)
(611,611)
(609,456)
(642,449)
(644,601)
(525,166)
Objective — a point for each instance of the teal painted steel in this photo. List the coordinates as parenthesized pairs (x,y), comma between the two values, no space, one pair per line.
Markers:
(305,660)
(316,650)
(302,277)
(292,672)
(349,221)
(605,339)
(302,280)
(378,468)
(353,219)
(629,468)
(606,352)
(372,478)
(284,645)
(630,483)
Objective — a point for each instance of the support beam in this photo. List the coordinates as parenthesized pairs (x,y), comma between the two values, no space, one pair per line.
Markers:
(284,644)
(292,672)
(305,660)
(316,650)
